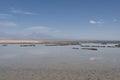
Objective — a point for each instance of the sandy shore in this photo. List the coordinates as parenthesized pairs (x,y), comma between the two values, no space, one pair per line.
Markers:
(21,41)
(7,73)
(56,41)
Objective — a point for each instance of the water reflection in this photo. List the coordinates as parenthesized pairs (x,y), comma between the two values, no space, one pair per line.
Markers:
(53,62)
(58,54)
(7,56)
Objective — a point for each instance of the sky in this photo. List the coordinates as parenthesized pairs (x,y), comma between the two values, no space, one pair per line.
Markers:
(60,19)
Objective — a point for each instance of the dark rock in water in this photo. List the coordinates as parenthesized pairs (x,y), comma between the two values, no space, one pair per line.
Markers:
(89,48)
(104,43)
(75,48)
(50,45)
(111,46)
(27,45)
(4,45)
(117,45)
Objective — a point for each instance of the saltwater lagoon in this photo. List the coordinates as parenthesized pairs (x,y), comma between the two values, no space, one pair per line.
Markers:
(42,62)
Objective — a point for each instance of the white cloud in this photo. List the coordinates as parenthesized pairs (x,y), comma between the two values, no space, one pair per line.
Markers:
(57,31)
(115,20)
(95,22)
(38,29)
(17,11)
(3,16)
(7,24)
(92,22)
(42,30)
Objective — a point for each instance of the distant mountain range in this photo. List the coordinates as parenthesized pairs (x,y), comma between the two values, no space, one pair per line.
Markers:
(28,36)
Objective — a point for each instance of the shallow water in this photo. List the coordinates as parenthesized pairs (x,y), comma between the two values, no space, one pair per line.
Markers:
(58,63)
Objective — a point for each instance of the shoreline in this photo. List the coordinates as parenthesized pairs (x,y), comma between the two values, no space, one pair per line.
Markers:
(56,41)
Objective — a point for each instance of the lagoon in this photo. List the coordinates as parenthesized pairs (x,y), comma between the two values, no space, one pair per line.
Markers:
(42,62)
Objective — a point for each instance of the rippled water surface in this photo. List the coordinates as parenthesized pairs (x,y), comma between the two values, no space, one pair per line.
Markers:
(58,63)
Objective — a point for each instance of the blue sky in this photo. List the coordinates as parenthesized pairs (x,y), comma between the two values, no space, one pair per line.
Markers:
(60,19)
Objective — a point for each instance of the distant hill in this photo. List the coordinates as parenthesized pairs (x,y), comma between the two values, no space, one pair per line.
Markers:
(35,36)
